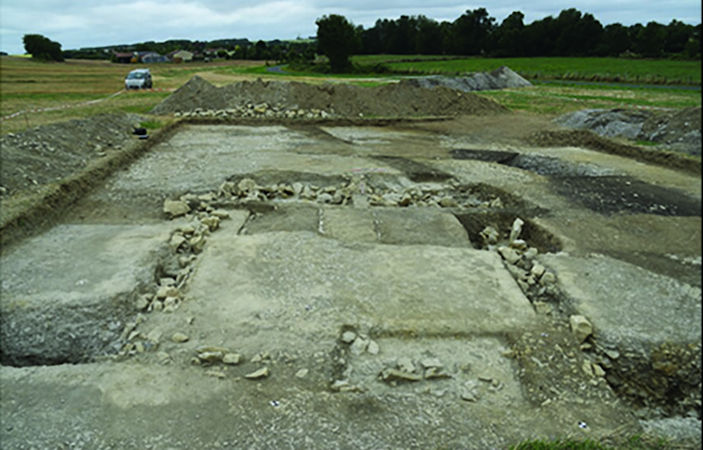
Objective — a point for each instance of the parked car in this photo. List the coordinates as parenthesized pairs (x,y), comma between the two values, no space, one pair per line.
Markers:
(138,79)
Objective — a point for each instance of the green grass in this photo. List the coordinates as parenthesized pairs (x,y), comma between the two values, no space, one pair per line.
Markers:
(27,85)
(646,71)
(635,442)
(560,445)
(556,99)
(307,72)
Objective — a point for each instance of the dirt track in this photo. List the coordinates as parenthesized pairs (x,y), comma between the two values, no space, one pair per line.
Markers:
(335,285)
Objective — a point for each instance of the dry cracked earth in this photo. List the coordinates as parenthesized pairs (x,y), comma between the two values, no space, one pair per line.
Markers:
(434,285)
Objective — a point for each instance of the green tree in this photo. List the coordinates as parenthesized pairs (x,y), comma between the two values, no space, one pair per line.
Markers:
(510,35)
(41,47)
(471,32)
(338,39)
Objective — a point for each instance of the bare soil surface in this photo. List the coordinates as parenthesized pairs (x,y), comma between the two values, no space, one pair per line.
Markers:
(367,284)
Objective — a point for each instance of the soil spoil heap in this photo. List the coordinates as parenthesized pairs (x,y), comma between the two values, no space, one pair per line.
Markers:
(49,153)
(677,130)
(403,99)
(501,78)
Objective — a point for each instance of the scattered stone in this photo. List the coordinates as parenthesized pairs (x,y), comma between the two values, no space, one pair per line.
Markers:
(197,243)
(260,357)
(220,214)
(509,255)
(211,357)
(598,370)
(469,396)
(611,353)
(433,373)
(212,222)
(215,373)
(447,202)
(179,337)
(406,365)
(518,244)
(167,281)
(429,363)
(490,235)
(245,186)
(176,241)
(167,291)
(171,304)
(302,373)
(395,375)
(232,358)
(587,368)
(142,302)
(187,229)
(373,347)
(580,326)
(530,253)
(359,346)
(548,278)
(258,374)
(324,198)
(516,229)
(176,208)
(344,386)
(348,337)
(537,270)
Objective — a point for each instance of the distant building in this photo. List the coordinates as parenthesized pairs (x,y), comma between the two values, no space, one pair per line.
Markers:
(181,56)
(152,57)
(214,52)
(124,57)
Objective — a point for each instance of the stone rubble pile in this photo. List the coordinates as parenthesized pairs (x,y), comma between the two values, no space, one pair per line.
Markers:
(406,370)
(258,111)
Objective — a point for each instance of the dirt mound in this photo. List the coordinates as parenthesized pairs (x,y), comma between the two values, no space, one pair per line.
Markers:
(500,78)
(49,153)
(404,99)
(676,130)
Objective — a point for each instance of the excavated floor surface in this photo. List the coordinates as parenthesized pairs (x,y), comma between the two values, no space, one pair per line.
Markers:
(367,287)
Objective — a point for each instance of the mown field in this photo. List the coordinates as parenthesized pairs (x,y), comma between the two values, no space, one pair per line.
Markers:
(47,92)
(647,71)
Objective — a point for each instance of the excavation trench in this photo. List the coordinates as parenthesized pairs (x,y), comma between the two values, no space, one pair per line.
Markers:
(278,238)
(598,189)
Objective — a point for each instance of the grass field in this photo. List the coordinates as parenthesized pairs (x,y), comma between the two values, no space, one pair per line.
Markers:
(28,85)
(596,69)
(79,88)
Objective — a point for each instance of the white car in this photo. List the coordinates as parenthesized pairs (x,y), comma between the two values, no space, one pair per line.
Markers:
(138,79)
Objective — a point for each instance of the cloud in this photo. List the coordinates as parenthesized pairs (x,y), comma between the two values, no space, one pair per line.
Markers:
(84,23)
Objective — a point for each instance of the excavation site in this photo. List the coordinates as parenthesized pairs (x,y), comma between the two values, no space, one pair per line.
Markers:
(295,266)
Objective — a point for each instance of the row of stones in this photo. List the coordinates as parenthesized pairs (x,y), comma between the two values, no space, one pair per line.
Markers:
(184,245)
(538,283)
(262,110)
(354,191)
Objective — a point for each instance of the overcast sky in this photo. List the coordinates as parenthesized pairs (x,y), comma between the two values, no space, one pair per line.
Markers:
(94,23)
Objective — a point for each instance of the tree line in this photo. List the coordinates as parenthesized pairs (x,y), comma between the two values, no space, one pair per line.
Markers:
(571,33)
